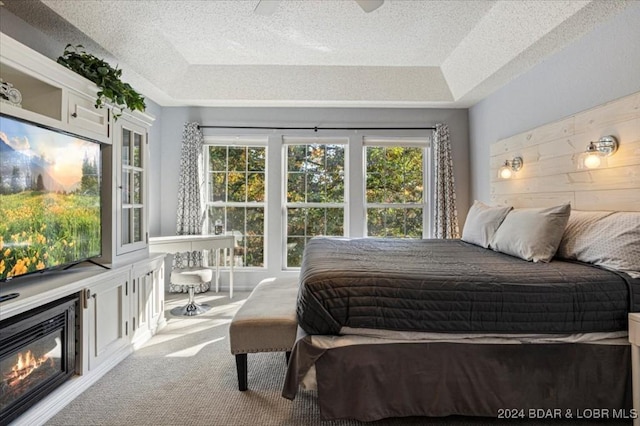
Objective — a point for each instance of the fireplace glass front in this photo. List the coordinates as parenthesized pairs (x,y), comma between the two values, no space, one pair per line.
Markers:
(37,354)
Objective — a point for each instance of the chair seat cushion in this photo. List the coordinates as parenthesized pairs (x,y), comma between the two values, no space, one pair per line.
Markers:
(191,276)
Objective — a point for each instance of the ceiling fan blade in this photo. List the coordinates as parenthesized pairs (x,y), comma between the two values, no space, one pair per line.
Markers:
(266,7)
(369,5)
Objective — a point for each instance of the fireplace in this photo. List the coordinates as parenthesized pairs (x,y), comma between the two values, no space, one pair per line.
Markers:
(37,354)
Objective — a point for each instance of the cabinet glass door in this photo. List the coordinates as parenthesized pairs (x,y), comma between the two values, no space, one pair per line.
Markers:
(131,190)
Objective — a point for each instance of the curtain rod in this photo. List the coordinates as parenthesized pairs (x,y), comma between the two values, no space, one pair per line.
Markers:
(315,129)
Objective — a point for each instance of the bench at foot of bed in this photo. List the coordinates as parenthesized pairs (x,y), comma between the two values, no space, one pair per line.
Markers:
(266,322)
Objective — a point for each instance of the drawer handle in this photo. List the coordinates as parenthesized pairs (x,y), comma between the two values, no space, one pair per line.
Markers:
(74,115)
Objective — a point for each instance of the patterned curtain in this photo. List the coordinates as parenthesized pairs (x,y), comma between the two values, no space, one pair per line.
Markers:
(446,215)
(189,213)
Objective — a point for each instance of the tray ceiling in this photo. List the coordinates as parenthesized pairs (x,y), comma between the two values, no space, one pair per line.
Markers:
(319,52)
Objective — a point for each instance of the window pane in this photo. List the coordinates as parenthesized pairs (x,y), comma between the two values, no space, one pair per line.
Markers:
(255,221)
(335,158)
(296,187)
(316,222)
(413,223)
(296,224)
(315,158)
(137,150)
(413,187)
(137,187)
(335,187)
(215,214)
(217,158)
(307,222)
(413,174)
(237,158)
(126,195)
(137,224)
(126,226)
(295,247)
(254,251)
(237,187)
(315,173)
(394,222)
(296,155)
(257,159)
(126,146)
(255,187)
(315,188)
(218,186)
(335,222)
(235,219)
(394,175)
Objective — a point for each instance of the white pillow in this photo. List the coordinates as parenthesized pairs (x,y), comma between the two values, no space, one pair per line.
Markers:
(607,239)
(482,222)
(532,234)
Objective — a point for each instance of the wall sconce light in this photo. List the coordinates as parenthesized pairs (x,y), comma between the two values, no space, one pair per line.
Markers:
(510,167)
(597,152)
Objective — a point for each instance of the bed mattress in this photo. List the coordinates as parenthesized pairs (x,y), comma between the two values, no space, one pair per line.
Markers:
(451,286)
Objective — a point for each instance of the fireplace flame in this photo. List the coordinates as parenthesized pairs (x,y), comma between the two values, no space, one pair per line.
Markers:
(27,364)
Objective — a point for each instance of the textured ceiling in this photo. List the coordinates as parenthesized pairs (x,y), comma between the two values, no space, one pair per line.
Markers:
(322,52)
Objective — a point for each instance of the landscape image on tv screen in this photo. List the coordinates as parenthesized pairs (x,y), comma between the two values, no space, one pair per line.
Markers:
(49,198)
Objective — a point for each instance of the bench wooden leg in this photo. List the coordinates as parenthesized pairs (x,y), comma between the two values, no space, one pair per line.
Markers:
(287,355)
(241,366)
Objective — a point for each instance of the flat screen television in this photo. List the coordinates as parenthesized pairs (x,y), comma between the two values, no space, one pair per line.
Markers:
(50,190)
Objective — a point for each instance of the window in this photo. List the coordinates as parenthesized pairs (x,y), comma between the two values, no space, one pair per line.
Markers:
(315,193)
(395,180)
(236,196)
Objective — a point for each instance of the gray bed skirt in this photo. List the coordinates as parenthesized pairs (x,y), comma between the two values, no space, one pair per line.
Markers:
(374,381)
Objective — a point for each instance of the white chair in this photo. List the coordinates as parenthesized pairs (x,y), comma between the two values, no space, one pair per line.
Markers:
(188,272)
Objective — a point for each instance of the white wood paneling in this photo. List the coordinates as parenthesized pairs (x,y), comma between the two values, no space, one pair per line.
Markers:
(549,175)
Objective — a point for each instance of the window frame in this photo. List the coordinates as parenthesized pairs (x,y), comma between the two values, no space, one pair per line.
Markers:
(285,205)
(237,141)
(423,142)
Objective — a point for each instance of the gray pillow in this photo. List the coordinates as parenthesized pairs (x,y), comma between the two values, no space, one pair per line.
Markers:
(482,222)
(532,234)
(607,239)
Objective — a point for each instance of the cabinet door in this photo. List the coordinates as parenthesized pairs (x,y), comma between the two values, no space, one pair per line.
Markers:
(157,297)
(84,116)
(131,183)
(140,306)
(108,308)
(147,299)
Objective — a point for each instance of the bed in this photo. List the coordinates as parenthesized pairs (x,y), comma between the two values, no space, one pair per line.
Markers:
(395,328)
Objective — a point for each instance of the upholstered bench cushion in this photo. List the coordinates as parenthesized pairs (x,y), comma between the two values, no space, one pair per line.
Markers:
(191,276)
(266,322)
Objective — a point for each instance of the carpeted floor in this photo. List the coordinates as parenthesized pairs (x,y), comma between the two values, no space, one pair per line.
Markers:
(185,375)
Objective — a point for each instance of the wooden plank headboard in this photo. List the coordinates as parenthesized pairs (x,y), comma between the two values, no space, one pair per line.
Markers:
(549,175)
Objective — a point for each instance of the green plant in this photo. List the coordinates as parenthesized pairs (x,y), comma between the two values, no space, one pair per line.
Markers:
(104,76)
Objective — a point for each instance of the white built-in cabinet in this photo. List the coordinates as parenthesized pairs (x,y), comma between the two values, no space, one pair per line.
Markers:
(131,183)
(106,312)
(147,299)
(123,306)
(121,311)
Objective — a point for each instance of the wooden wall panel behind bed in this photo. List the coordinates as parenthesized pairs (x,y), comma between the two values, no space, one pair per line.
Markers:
(549,175)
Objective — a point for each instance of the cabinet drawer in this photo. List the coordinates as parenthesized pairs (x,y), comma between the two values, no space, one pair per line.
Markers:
(84,116)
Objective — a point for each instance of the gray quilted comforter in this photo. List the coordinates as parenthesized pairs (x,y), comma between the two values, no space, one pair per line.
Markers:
(455,287)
